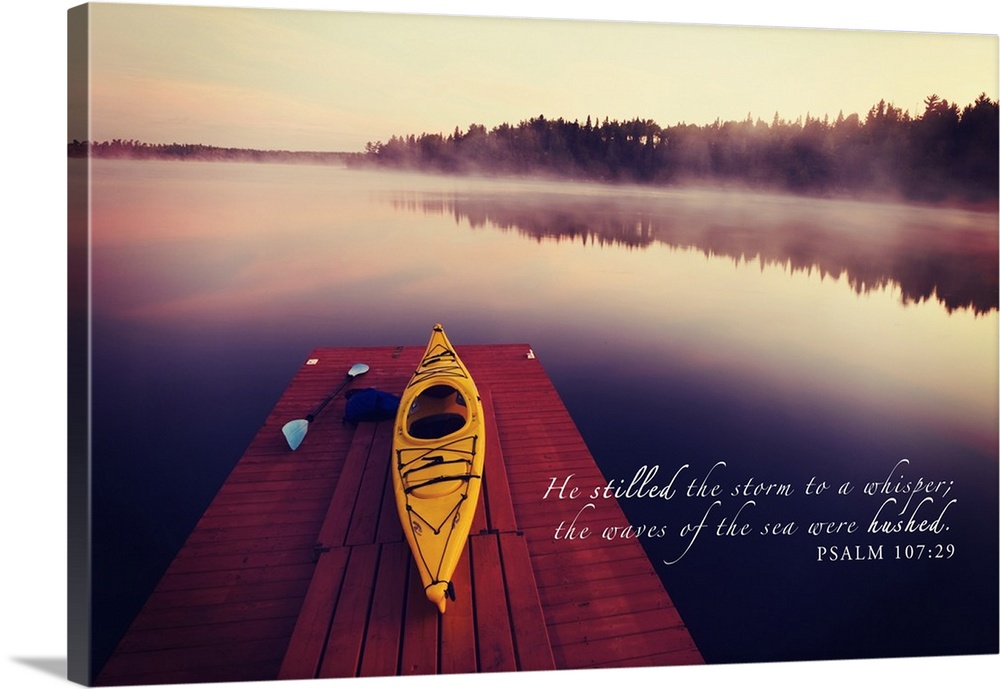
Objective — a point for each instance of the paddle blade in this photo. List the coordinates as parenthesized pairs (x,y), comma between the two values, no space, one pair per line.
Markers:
(295,431)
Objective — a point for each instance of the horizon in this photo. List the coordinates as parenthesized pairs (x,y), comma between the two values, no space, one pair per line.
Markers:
(597,122)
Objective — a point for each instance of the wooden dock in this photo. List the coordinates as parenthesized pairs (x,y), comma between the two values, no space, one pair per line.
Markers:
(299,569)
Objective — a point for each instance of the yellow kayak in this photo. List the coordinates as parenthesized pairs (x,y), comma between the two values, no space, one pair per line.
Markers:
(438,450)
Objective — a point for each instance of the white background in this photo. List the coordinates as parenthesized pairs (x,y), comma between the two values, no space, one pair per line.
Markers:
(32,267)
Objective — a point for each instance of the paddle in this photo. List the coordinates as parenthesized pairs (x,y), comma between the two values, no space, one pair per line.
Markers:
(296,430)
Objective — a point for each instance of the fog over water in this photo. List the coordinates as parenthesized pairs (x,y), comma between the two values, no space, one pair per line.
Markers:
(787,337)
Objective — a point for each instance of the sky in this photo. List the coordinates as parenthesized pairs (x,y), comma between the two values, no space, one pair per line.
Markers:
(306,79)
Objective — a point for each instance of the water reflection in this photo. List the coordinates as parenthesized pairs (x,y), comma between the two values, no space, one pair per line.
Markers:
(943,254)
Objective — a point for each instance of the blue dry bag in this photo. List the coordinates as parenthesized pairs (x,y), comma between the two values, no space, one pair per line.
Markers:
(369,404)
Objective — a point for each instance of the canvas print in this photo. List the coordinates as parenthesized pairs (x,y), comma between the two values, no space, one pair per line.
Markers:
(419,344)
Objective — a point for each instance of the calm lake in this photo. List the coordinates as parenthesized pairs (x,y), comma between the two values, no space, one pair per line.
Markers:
(817,360)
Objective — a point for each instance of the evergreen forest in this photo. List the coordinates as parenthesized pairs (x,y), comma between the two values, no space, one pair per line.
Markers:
(946,152)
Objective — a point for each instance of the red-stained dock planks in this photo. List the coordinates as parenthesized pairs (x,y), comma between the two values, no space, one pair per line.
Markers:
(298,568)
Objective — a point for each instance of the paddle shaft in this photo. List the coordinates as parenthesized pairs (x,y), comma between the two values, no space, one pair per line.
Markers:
(329,399)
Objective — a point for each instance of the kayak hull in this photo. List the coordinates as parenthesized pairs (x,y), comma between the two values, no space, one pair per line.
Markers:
(438,449)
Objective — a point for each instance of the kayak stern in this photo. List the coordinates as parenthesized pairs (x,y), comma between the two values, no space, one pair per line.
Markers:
(438,595)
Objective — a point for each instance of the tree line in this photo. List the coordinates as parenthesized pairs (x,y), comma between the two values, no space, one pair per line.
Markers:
(137,150)
(945,152)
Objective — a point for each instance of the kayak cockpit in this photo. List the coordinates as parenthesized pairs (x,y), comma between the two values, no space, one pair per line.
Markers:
(437,412)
